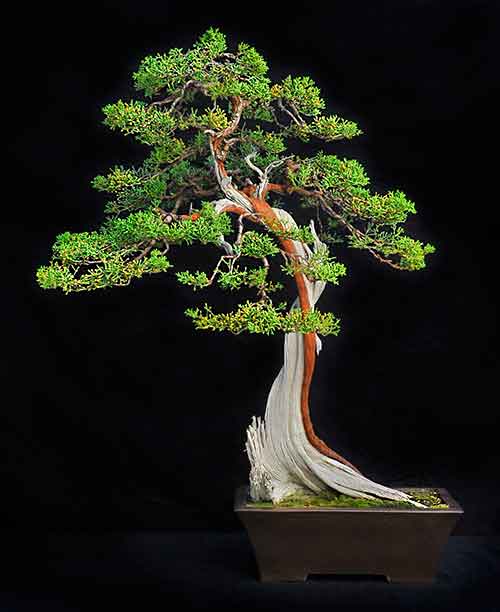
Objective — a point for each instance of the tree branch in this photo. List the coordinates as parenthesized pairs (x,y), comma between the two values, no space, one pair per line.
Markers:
(354,230)
(262,189)
(218,155)
(322,197)
(250,164)
(296,119)
(238,104)
(176,97)
(145,251)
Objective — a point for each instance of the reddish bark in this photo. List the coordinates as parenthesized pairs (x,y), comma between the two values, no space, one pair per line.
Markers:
(269,217)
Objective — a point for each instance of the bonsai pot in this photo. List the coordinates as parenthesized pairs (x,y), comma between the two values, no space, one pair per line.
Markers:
(402,544)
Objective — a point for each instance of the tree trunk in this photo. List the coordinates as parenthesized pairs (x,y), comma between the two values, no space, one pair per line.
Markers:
(283,455)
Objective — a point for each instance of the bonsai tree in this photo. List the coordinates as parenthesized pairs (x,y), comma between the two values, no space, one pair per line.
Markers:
(219,171)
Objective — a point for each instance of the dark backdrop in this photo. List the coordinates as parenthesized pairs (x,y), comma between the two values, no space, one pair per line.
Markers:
(119,414)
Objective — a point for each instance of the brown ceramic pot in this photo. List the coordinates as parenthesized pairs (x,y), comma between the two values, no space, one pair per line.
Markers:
(404,545)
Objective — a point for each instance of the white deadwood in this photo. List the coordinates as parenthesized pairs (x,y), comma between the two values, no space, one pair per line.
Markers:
(283,461)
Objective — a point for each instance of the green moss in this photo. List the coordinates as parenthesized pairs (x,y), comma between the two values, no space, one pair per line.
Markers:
(329,499)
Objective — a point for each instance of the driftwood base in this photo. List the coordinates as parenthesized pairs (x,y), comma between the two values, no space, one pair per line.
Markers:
(404,545)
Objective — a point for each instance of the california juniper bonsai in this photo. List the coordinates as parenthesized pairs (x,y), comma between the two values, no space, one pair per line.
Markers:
(220,171)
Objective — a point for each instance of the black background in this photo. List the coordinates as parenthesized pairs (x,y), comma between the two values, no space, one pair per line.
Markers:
(120,414)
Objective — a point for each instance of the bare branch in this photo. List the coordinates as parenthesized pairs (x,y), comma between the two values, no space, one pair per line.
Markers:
(262,289)
(239,237)
(175,98)
(296,119)
(145,251)
(241,218)
(225,181)
(250,164)
(264,174)
(238,106)
(296,111)
(226,246)
(227,259)
(275,116)
(261,189)
(229,143)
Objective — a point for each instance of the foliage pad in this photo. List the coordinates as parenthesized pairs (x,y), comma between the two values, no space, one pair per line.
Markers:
(214,125)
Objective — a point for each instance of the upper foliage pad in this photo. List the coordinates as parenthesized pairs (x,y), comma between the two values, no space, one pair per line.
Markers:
(216,126)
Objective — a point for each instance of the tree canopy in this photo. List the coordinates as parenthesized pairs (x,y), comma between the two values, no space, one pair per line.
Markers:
(218,134)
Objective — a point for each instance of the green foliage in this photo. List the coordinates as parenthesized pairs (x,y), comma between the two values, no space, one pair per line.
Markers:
(326,128)
(211,43)
(83,247)
(117,180)
(149,125)
(161,71)
(264,318)
(207,229)
(302,93)
(254,317)
(54,276)
(346,179)
(235,278)
(258,245)
(249,62)
(270,142)
(333,127)
(412,253)
(170,71)
(194,91)
(132,189)
(257,277)
(170,150)
(319,267)
(197,280)
(149,193)
(244,76)
(109,249)
(177,175)
(389,208)
(215,119)
(148,225)
(344,182)
(300,233)
(258,112)
(232,279)
(329,172)
(114,271)
(137,227)
(323,323)
(407,252)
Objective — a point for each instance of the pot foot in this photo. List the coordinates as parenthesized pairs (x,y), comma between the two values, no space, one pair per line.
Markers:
(411,578)
(291,576)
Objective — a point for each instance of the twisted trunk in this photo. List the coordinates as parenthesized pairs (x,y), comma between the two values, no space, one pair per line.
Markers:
(244,201)
(285,454)
(284,457)
(268,215)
